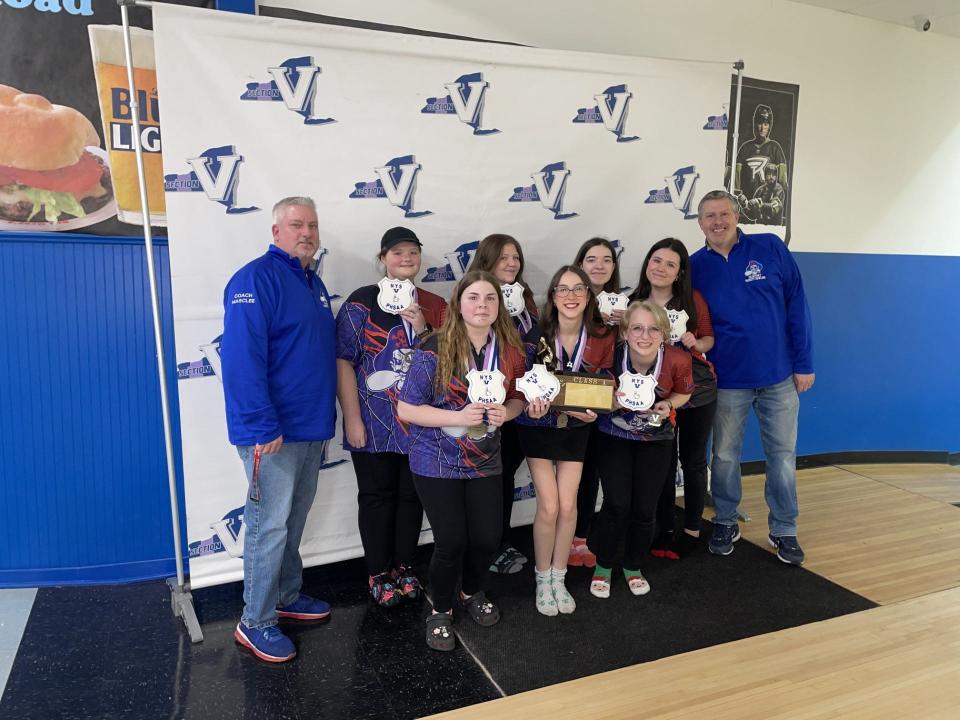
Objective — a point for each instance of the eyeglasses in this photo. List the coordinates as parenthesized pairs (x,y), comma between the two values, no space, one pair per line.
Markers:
(562,291)
(652,331)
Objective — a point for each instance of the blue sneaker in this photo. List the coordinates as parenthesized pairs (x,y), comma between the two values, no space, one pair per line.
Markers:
(267,643)
(723,538)
(305,608)
(788,549)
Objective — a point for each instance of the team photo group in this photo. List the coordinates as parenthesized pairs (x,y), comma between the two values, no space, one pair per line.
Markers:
(442,400)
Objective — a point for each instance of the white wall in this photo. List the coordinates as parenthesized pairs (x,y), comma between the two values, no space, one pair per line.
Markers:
(878,136)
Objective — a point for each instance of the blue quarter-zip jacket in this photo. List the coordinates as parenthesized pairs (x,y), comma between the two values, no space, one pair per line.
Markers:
(760,315)
(278,353)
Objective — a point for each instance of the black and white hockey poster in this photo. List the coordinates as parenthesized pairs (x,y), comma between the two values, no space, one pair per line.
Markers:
(763,167)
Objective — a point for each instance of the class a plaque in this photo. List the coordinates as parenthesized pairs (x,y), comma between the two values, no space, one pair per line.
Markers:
(584,391)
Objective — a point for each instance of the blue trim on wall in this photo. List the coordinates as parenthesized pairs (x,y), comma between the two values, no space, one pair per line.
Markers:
(886,340)
(238,6)
(84,472)
(83,479)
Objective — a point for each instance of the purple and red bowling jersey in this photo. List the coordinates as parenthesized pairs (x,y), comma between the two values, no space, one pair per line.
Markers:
(450,452)
(676,376)
(375,343)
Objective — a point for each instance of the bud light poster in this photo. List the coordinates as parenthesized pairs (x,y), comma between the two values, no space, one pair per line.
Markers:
(59,144)
(763,171)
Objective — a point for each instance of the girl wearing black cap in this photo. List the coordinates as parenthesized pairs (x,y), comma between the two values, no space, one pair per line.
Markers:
(377,329)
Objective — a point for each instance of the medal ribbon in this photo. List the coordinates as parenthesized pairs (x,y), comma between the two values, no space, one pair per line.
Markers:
(579,349)
(525,321)
(407,326)
(656,369)
(490,360)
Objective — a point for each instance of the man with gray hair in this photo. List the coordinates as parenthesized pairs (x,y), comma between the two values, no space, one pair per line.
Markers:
(763,359)
(279,383)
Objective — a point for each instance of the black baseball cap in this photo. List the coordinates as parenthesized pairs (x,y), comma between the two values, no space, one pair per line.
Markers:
(396,235)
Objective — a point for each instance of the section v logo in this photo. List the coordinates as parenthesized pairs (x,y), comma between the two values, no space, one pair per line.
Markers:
(678,192)
(717,122)
(549,187)
(611,110)
(208,365)
(457,263)
(466,98)
(397,182)
(215,172)
(294,84)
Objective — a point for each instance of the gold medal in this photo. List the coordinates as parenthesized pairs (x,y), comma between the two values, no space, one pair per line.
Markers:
(562,420)
(477,432)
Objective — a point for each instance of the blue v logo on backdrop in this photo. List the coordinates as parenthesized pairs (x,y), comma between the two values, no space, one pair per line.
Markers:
(216,172)
(549,187)
(679,191)
(611,110)
(227,537)
(457,263)
(397,182)
(294,84)
(466,99)
(206,366)
(717,122)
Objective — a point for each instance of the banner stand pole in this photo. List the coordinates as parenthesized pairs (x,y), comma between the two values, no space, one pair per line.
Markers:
(738,66)
(181,600)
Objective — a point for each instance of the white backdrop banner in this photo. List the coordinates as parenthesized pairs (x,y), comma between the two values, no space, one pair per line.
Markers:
(453,139)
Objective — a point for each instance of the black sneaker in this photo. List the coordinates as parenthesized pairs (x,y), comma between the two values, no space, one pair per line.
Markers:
(788,549)
(508,562)
(723,538)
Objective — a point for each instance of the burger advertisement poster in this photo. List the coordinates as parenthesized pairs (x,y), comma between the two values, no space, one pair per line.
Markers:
(763,167)
(67,162)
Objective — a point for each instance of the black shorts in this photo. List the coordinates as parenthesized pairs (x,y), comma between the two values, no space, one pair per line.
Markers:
(550,443)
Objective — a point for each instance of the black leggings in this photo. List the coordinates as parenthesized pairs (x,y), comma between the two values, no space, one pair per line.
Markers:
(511,456)
(631,474)
(465,517)
(390,515)
(693,431)
(589,485)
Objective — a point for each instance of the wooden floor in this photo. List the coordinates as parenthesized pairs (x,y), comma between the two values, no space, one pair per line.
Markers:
(887,532)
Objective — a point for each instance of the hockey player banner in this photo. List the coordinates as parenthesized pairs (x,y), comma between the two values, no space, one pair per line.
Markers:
(454,139)
(763,169)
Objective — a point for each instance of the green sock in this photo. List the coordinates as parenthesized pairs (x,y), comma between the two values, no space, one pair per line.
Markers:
(601,572)
(630,574)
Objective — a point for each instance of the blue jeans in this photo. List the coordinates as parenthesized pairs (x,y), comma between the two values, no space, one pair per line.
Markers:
(777,408)
(273,526)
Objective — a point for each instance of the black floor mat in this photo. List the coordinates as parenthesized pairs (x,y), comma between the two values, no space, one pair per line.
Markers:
(696,602)
(117,652)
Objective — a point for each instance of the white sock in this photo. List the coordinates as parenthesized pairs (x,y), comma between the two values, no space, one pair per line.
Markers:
(546,602)
(565,602)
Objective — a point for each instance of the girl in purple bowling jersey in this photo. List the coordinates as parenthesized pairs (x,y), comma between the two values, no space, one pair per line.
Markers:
(459,391)
(374,348)
(501,256)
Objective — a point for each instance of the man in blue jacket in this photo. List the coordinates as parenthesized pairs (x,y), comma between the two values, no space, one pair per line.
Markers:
(279,382)
(763,358)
